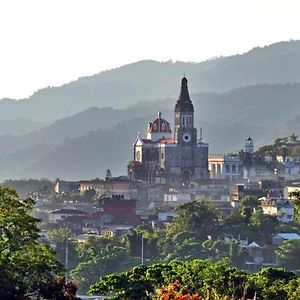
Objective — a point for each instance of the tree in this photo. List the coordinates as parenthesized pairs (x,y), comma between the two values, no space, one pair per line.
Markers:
(64,240)
(294,138)
(90,194)
(108,174)
(262,226)
(99,256)
(288,254)
(28,268)
(250,201)
(213,281)
(172,291)
(197,217)
(296,197)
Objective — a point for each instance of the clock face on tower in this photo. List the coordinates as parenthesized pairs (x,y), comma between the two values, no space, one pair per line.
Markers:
(186,137)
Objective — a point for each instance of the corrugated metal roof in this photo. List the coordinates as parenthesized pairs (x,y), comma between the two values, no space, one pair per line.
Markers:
(289,236)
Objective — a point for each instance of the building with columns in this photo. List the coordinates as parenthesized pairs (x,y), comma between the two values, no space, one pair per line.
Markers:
(171,157)
(231,166)
(224,166)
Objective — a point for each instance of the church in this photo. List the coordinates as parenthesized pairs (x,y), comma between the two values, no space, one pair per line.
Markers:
(171,157)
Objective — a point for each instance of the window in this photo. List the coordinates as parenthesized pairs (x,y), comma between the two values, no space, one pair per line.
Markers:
(138,155)
(234,169)
(227,168)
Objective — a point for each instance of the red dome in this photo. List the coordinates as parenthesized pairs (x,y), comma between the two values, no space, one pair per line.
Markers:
(159,125)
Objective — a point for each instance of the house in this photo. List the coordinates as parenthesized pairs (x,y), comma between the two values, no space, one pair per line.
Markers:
(114,230)
(109,187)
(60,215)
(175,196)
(259,256)
(62,186)
(116,210)
(280,238)
(278,206)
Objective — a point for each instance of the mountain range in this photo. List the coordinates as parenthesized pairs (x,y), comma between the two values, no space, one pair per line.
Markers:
(82,128)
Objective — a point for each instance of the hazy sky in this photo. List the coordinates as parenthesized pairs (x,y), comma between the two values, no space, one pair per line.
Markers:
(51,42)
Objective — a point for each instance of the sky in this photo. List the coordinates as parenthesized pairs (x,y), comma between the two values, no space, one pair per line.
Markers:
(52,42)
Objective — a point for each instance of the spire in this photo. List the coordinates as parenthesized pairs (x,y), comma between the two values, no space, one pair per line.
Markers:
(184,93)
(184,102)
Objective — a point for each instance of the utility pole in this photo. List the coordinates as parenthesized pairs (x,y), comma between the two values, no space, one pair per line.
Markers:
(67,253)
(67,258)
(142,251)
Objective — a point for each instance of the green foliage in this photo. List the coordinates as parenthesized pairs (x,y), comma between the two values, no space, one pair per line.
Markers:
(90,195)
(64,238)
(250,201)
(289,254)
(296,196)
(197,217)
(27,267)
(26,186)
(213,281)
(98,257)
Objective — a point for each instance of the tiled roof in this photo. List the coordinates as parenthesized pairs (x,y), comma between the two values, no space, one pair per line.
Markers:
(166,141)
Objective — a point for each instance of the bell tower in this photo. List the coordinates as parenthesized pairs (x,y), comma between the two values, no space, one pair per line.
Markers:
(184,131)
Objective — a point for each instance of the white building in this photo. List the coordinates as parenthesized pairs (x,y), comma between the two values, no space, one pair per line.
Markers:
(277,206)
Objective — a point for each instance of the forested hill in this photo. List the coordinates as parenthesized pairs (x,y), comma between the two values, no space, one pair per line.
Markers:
(84,145)
(152,80)
(86,126)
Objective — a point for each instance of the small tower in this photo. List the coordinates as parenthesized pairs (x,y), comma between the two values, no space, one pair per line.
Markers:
(249,146)
(108,175)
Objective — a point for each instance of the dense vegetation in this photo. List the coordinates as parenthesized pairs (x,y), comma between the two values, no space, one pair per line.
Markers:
(197,232)
(199,279)
(26,187)
(29,269)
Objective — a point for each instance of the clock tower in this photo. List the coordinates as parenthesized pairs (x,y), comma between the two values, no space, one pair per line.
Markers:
(171,158)
(185,133)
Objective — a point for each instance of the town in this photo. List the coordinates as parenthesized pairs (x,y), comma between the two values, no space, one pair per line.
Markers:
(247,204)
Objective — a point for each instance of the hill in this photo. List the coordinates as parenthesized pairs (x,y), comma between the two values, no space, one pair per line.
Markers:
(150,80)
(88,143)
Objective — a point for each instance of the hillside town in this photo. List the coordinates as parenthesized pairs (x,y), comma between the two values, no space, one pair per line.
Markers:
(150,150)
(170,169)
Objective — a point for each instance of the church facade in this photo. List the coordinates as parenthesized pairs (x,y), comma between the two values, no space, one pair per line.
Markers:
(171,157)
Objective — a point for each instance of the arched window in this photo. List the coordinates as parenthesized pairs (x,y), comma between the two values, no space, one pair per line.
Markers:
(138,155)
(233,168)
(227,168)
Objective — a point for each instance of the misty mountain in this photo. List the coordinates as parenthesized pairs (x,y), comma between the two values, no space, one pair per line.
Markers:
(86,144)
(77,125)
(19,126)
(287,128)
(152,80)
